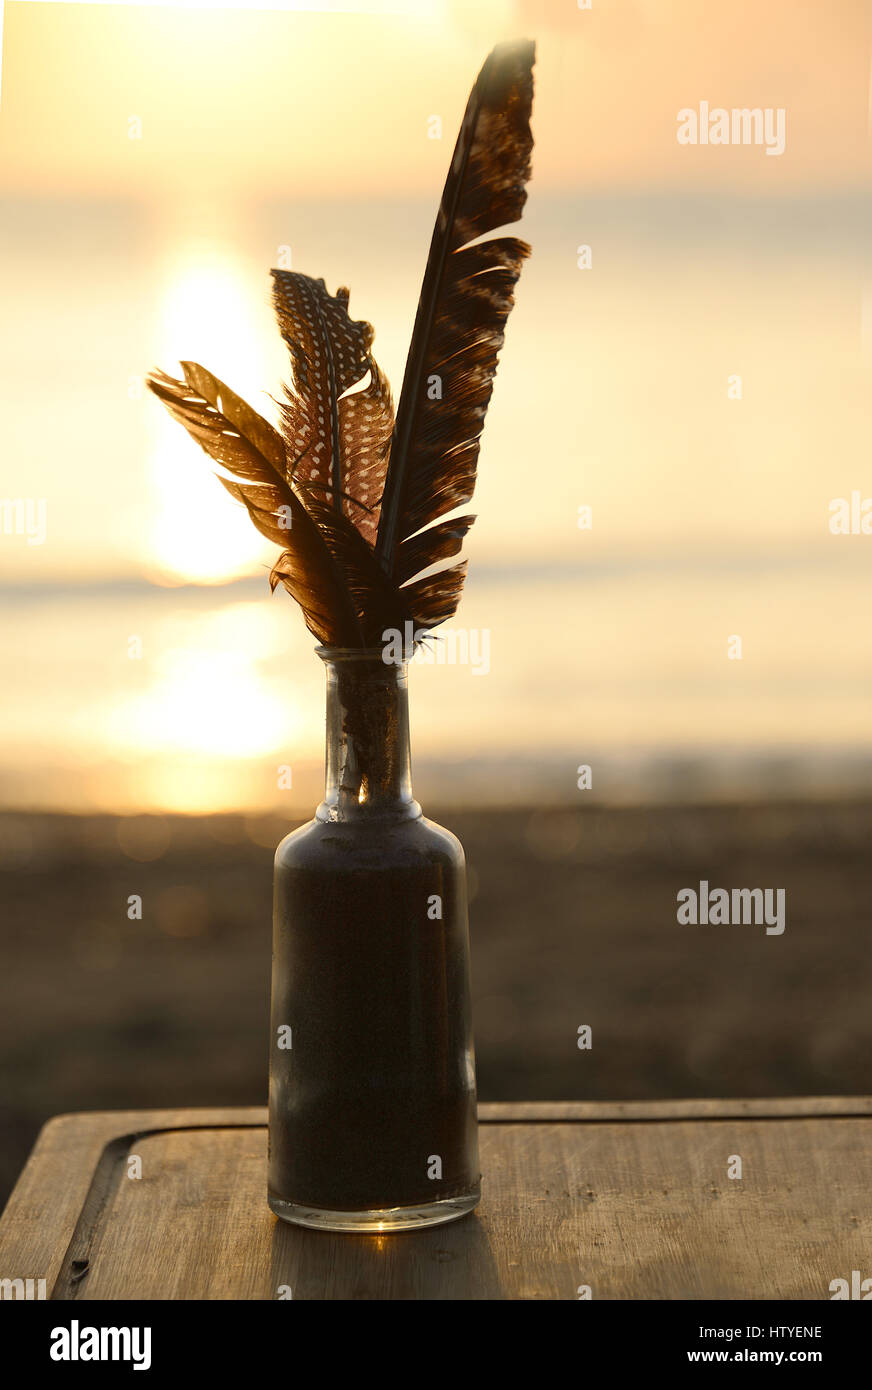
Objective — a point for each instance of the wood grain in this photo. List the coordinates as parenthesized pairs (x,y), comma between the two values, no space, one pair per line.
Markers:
(632,1199)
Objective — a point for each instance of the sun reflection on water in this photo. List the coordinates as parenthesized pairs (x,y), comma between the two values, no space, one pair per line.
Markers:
(205,717)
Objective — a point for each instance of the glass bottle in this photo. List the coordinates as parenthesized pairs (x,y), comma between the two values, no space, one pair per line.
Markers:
(372,1120)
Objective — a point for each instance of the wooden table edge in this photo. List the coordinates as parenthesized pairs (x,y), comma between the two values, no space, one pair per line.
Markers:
(44,1221)
(115,1124)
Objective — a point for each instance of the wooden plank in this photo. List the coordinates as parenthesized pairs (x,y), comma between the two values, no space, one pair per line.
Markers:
(636,1205)
(47,1201)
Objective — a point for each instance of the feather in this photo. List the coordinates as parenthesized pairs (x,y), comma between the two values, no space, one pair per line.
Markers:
(466,297)
(344,489)
(378,602)
(241,441)
(339,441)
(438,543)
(327,566)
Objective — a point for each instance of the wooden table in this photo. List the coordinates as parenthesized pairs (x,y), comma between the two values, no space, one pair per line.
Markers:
(633,1201)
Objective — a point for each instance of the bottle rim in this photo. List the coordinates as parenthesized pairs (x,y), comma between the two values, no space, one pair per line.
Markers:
(359,654)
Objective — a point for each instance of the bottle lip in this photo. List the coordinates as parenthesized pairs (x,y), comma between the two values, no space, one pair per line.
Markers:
(369,654)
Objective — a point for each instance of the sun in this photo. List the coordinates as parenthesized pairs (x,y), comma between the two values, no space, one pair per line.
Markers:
(198,534)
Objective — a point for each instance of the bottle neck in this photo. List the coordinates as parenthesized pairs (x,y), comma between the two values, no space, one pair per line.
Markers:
(368,760)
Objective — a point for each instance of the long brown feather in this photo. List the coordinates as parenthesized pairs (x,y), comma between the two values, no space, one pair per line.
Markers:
(465,300)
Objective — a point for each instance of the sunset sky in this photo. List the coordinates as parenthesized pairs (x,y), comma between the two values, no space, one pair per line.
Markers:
(291,100)
(303,130)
